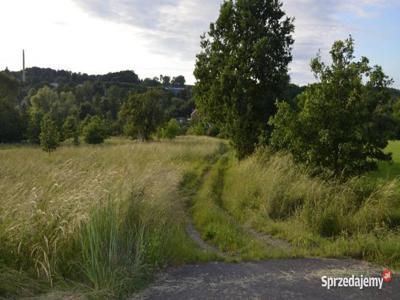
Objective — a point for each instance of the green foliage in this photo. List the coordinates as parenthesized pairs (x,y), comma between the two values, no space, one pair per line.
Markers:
(104,222)
(340,125)
(63,93)
(48,101)
(179,81)
(94,131)
(144,113)
(215,225)
(112,249)
(243,69)
(396,117)
(171,130)
(49,136)
(71,129)
(11,123)
(357,218)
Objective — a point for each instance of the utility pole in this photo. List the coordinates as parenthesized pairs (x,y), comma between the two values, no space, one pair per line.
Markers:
(23,67)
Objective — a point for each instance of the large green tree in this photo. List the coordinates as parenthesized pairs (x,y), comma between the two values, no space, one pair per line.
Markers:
(143,113)
(11,123)
(243,69)
(340,125)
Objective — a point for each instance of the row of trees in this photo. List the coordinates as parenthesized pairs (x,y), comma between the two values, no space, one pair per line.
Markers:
(37,77)
(142,116)
(72,108)
(338,126)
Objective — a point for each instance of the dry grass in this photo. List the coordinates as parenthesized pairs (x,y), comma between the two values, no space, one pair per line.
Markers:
(46,200)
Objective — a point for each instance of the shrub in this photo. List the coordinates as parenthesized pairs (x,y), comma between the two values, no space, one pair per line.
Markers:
(49,136)
(94,131)
(171,130)
(130,131)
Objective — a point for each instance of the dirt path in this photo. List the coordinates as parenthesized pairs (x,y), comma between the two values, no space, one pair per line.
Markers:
(273,279)
(196,237)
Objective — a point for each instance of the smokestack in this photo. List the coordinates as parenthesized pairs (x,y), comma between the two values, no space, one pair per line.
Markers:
(23,67)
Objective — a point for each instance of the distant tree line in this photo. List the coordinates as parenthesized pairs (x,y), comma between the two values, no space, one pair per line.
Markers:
(96,106)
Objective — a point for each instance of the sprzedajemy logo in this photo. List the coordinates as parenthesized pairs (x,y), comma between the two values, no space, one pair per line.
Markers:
(360,282)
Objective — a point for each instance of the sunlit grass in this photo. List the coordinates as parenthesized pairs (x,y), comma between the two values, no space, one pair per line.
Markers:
(359,218)
(74,214)
(389,170)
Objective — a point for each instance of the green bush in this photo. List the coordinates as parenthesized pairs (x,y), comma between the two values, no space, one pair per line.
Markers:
(49,136)
(130,131)
(171,130)
(94,131)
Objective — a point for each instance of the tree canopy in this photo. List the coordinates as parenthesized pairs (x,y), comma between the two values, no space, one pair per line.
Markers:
(11,123)
(341,124)
(243,69)
(143,113)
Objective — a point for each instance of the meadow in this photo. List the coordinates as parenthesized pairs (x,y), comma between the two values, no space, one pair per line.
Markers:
(273,196)
(99,219)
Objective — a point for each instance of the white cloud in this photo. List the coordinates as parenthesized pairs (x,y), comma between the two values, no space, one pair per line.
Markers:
(153,36)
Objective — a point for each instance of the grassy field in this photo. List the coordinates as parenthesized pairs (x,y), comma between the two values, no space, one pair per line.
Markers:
(359,218)
(100,219)
(389,170)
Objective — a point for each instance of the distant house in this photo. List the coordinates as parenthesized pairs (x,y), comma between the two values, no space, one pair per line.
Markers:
(175,90)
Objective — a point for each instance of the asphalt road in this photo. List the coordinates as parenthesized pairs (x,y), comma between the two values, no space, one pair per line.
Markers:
(273,279)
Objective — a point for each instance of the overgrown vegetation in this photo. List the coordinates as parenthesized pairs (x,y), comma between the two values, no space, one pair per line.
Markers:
(215,225)
(101,219)
(341,124)
(359,218)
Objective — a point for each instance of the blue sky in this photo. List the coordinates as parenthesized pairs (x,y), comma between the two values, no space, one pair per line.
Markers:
(156,37)
(377,36)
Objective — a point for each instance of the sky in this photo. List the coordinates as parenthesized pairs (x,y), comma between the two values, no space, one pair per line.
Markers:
(154,37)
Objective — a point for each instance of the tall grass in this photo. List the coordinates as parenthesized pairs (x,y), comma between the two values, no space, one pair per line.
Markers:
(100,215)
(320,217)
(216,226)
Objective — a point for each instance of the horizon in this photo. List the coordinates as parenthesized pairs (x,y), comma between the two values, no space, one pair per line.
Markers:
(99,37)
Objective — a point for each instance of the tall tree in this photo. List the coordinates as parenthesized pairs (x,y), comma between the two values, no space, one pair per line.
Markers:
(41,103)
(49,136)
(165,80)
(143,113)
(179,81)
(341,124)
(243,68)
